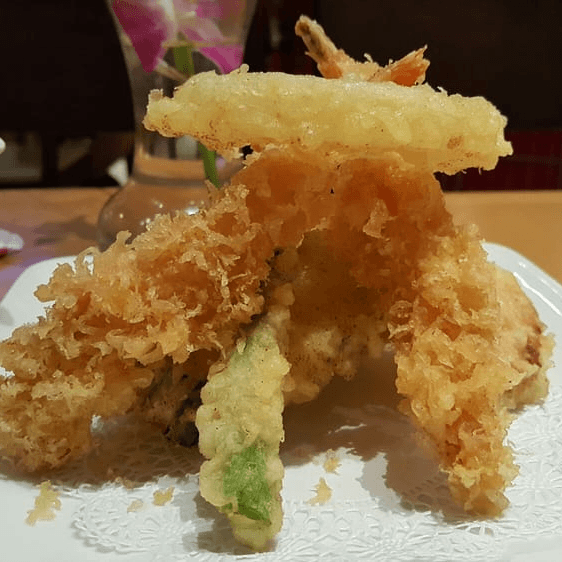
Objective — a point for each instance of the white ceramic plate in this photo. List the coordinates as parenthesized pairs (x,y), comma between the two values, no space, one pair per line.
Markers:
(388,501)
(9,242)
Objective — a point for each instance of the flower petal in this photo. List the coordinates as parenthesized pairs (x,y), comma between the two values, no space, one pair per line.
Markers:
(210,9)
(200,30)
(227,58)
(148,26)
(210,42)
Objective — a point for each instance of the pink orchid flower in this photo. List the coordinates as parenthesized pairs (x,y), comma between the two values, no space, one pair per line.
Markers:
(213,27)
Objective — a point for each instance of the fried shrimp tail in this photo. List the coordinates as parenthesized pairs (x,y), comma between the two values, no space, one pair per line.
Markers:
(335,63)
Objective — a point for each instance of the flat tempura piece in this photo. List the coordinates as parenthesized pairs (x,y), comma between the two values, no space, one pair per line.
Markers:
(428,128)
(240,426)
(335,63)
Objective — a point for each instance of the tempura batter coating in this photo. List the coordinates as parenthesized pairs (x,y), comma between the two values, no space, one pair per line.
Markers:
(430,129)
(241,427)
(184,286)
(384,221)
(469,345)
(326,323)
(340,193)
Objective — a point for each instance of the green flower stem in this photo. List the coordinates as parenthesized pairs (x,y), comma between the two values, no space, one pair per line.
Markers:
(209,164)
(183,60)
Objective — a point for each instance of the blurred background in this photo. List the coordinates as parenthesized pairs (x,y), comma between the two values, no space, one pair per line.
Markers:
(65,103)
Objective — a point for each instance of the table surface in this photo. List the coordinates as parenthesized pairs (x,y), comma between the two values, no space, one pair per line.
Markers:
(61,222)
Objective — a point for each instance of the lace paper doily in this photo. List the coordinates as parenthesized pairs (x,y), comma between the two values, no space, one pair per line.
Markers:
(388,500)
(393,506)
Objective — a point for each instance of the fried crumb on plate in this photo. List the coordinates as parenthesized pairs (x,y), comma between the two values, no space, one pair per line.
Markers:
(162,497)
(45,504)
(323,493)
(332,462)
(135,505)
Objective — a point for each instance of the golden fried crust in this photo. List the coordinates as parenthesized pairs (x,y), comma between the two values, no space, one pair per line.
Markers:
(186,284)
(428,128)
(468,343)
(347,189)
(326,323)
(335,63)
(464,357)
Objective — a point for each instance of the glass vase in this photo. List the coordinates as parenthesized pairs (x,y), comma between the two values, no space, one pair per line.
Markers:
(167,174)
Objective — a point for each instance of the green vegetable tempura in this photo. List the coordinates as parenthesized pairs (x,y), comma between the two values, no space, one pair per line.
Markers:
(240,429)
(245,480)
